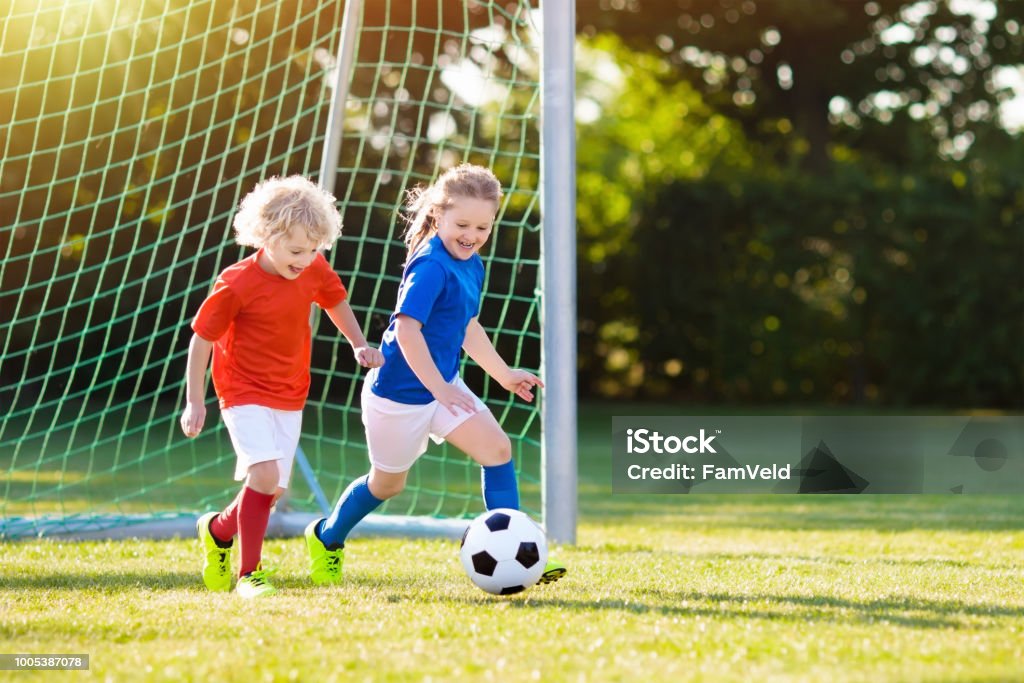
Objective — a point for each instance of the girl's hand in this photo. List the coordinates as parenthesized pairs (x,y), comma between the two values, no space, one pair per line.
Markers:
(521,383)
(455,399)
(368,357)
(193,419)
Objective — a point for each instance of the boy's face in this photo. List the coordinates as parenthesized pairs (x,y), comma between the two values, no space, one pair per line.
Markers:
(289,255)
(465,226)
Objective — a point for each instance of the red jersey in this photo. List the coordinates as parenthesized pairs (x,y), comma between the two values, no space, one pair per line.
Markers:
(259,324)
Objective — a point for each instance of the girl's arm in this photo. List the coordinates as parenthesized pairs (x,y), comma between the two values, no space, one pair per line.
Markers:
(345,320)
(479,347)
(408,332)
(194,416)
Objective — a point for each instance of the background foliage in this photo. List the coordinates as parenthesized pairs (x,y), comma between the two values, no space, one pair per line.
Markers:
(797,201)
(778,201)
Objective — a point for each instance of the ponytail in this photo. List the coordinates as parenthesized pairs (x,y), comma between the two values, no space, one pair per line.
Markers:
(419,214)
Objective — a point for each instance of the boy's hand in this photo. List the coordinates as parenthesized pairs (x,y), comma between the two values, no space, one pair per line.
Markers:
(368,357)
(193,419)
(521,383)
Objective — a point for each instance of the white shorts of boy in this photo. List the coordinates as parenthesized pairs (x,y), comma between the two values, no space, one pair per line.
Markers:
(396,433)
(260,434)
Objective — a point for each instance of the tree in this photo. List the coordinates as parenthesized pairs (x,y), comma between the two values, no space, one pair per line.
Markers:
(739,271)
(828,69)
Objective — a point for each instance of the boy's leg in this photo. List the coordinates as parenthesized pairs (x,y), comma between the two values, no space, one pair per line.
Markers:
(256,584)
(216,532)
(264,440)
(216,556)
(224,526)
(253,520)
(254,514)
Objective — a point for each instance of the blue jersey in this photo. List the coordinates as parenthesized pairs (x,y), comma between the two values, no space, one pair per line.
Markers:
(443,294)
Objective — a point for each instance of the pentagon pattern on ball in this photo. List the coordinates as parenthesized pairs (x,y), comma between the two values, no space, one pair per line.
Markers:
(498,521)
(504,551)
(484,564)
(528,554)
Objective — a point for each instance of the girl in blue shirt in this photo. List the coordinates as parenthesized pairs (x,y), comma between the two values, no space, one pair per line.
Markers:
(417,394)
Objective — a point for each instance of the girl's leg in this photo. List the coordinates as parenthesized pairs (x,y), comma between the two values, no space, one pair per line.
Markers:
(396,434)
(363,496)
(482,438)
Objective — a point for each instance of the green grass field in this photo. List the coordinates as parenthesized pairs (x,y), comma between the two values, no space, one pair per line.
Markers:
(713,588)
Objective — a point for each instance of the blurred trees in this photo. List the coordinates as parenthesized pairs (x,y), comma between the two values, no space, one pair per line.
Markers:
(779,200)
(800,201)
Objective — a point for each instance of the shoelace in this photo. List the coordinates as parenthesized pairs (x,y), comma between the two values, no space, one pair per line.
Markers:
(260,576)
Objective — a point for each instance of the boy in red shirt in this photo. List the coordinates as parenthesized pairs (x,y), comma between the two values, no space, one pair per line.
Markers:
(255,325)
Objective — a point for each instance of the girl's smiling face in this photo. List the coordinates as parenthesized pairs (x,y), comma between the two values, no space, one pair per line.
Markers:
(289,255)
(465,226)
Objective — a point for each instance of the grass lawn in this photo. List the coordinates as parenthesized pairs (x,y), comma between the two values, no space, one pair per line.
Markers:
(713,588)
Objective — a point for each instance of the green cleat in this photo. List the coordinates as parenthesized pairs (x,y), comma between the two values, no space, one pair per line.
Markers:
(324,564)
(217,563)
(553,571)
(255,584)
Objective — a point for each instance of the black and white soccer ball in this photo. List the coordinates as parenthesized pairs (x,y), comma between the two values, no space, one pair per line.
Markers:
(504,551)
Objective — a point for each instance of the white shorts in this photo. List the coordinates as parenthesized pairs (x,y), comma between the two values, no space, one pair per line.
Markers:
(396,433)
(260,434)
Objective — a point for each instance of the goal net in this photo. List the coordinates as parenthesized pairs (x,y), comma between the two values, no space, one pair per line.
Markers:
(130,131)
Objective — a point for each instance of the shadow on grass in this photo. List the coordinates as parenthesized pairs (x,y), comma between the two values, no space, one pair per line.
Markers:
(793,512)
(123,582)
(790,558)
(912,612)
(103,581)
(364,582)
(907,612)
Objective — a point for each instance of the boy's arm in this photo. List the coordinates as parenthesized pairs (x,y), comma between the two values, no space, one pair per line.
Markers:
(408,332)
(479,347)
(345,320)
(194,416)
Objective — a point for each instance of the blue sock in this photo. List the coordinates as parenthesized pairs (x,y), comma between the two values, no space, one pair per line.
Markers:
(354,504)
(501,490)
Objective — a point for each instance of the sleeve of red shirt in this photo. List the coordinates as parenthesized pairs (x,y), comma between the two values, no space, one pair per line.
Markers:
(331,291)
(217,312)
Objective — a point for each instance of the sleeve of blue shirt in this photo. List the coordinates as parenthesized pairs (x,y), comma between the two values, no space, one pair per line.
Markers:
(422,284)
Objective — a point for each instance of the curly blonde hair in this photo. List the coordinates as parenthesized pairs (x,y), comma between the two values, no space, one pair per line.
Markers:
(277,205)
(422,204)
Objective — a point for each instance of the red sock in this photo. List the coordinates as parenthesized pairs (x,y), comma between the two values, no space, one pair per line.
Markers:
(253,515)
(225,525)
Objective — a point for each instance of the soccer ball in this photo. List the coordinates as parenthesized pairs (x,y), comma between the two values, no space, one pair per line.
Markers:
(504,551)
